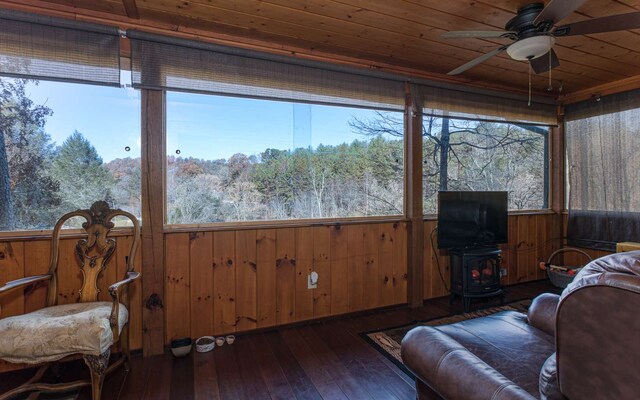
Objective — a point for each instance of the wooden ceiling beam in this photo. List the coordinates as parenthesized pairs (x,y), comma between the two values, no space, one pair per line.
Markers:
(131,8)
(620,86)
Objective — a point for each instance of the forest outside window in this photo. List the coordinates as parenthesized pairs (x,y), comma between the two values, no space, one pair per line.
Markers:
(476,155)
(233,159)
(64,146)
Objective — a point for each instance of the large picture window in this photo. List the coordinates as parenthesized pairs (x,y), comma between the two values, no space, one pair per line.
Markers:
(472,155)
(241,159)
(64,146)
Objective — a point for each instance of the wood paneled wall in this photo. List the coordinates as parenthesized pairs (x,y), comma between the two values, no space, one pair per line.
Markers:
(232,281)
(220,282)
(20,258)
(531,240)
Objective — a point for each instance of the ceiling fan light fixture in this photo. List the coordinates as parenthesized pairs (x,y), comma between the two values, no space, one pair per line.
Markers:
(531,48)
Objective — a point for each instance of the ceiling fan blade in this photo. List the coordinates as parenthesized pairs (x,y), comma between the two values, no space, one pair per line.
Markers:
(477,61)
(557,10)
(612,23)
(543,64)
(476,34)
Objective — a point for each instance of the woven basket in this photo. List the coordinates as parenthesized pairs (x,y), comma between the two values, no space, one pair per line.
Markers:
(559,278)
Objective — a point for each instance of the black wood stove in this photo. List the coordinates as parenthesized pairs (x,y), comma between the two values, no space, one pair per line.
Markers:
(475,273)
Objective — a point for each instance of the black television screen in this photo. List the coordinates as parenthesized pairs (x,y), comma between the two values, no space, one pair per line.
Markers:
(472,219)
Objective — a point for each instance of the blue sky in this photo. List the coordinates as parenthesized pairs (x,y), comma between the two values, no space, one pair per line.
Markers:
(108,117)
(200,126)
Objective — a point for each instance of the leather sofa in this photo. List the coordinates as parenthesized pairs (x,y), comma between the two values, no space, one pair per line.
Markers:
(583,344)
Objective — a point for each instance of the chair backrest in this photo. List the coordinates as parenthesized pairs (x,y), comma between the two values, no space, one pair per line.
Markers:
(94,251)
(597,329)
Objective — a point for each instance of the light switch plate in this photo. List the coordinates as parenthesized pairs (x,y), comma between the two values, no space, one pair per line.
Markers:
(312,280)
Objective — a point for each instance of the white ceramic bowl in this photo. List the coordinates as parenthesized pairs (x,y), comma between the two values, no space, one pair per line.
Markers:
(181,347)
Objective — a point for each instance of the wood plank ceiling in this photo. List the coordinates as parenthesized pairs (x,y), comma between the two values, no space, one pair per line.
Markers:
(400,35)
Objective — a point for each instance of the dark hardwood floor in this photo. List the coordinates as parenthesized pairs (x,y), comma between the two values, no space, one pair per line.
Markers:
(317,360)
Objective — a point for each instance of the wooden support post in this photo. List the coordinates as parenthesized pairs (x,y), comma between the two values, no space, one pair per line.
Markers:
(558,178)
(557,165)
(413,199)
(153,178)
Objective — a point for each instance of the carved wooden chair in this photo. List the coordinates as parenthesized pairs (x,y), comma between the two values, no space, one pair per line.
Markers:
(89,327)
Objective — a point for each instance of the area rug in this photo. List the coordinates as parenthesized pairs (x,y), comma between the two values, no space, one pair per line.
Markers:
(387,341)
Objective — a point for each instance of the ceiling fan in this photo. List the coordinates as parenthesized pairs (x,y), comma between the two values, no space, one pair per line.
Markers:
(534,31)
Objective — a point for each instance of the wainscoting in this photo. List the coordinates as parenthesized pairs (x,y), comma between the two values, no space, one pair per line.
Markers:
(231,281)
(225,281)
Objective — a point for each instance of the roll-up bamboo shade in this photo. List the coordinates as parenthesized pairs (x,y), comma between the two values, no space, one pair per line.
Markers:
(40,47)
(160,62)
(603,143)
(462,104)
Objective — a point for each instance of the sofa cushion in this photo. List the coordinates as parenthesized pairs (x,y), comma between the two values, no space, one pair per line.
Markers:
(452,371)
(506,342)
(52,333)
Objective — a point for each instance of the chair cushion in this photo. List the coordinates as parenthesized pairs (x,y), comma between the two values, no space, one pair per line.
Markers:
(52,333)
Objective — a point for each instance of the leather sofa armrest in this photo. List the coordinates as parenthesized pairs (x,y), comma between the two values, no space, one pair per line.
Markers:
(542,313)
(452,371)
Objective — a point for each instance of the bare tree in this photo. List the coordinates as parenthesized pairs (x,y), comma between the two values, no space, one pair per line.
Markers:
(446,140)
(318,174)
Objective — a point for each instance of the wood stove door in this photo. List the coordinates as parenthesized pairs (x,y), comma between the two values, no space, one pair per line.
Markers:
(482,274)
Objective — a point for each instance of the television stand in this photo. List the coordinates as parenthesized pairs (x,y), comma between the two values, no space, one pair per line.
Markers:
(475,273)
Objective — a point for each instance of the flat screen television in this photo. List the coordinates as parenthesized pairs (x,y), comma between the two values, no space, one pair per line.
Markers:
(472,219)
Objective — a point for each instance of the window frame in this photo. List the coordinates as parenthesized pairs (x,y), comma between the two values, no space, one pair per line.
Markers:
(547,165)
(284,223)
(74,232)
(271,224)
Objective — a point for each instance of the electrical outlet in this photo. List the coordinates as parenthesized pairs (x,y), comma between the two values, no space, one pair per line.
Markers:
(312,280)
(503,272)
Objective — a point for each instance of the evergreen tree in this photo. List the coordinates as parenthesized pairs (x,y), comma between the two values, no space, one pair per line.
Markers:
(81,174)
(35,192)
(26,191)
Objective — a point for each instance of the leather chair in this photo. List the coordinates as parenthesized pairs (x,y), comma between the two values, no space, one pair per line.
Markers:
(582,344)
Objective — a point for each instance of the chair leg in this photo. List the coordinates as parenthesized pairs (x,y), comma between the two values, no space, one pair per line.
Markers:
(98,366)
(126,352)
